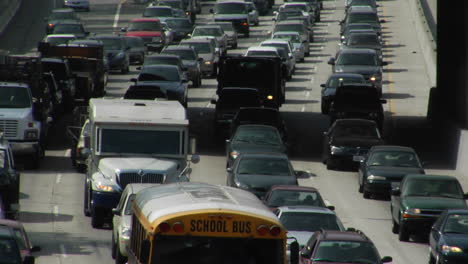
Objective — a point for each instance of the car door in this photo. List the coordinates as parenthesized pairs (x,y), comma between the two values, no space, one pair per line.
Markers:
(117,218)
(435,233)
(395,201)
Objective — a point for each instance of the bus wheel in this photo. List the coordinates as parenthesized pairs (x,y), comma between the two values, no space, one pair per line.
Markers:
(119,259)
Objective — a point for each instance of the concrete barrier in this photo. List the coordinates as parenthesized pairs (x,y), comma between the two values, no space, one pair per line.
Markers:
(8,9)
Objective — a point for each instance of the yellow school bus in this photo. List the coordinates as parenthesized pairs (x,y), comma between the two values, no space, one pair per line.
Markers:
(199,223)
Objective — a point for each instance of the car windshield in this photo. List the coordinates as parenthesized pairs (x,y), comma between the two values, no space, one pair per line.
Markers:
(200,47)
(292,37)
(145,26)
(157,12)
(112,43)
(135,42)
(128,206)
(456,224)
(348,129)
(430,187)
(9,252)
(309,221)
(173,4)
(290,27)
(226,26)
(363,39)
(282,48)
(264,166)
(231,8)
(179,23)
(216,32)
(294,7)
(262,53)
(68,29)
(294,197)
(334,82)
(346,252)
(62,15)
(393,159)
(184,54)
(357,59)
(14,97)
(159,74)
(359,26)
(363,18)
(257,135)
(289,13)
(150,60)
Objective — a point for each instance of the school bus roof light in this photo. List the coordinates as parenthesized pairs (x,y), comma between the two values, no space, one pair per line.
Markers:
(262,230)
(275,230)
(178,227)
(164,227)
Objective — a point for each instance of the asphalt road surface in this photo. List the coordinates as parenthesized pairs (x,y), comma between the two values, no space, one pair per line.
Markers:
(52,197)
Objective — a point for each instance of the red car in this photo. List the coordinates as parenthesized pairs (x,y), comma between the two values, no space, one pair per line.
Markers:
(292,195)
(150,30)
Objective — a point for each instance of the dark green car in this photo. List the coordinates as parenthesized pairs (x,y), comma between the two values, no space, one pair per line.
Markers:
(251,139)
(420,199)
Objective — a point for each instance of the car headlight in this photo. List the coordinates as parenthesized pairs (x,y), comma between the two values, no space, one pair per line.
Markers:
(241,185)
(234,154)
(334,149)
(125,234)
(208,62)
(338,70)
(451,249)
(373,115)
(411,213)
(375,177)
(31,134)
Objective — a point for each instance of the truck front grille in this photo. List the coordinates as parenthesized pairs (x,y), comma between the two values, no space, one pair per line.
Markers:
(9,128)
(140,177)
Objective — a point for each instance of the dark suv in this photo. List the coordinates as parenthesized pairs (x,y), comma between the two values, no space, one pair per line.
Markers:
(357,101)
(10,250)
(340,247)
(9,180)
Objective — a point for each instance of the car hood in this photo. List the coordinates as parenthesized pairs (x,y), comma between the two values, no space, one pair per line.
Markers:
(109,166)
(357,69)
(15,113)
(368,46)
(301,236)
(206,56)
(189,63)
(226,17)
(245,147)
(432,202)
(355,141)
(143,34)
(393,173)
(264,182)
(459,240)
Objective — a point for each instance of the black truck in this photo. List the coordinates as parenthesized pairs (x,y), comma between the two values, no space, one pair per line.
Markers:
(263,74)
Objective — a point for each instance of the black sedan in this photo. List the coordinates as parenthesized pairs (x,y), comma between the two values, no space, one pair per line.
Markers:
(334,80)
(253,138)
(448,240)
(257,172)
(386,164)
(348,138)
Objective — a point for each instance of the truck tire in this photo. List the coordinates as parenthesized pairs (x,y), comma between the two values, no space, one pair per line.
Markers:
(403,234)
(34,161)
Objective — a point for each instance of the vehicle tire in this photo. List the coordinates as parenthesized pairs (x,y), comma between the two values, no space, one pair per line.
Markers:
(318,19)
(257,22)
(86,210)
(307,54)
(432,260)
(330,165)
(119,258)
(215,71)
(114,246)
(361,188)
(81,168)
(234,46)
(403,234)
(247,34)
(96,220)
(302,60)
(366,194)
(125,70)
(35,161)
(395,226)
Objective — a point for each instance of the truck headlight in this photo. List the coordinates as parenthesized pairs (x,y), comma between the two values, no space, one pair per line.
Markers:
(31,134)
(234,154)
(375,177)
(125,234)
(334,149)
(104,186)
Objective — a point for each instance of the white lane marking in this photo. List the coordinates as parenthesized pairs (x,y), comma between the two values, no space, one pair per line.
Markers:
(67,153)
(56,210)
(59,178)
(303,109)
(307,94)
(62,250)
(208,105)
(312,79)
(117,15)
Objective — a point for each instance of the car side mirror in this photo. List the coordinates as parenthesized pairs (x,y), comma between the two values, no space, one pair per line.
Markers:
(211,11)
(382,21)
(331,61)
(229,169)
(115,211)
(213,101)
(133,80)
(123,29)
(383,101)
(138,68)
(35,249)
(322,85)
(87,33)
(384,63)
(387,259)
(395,192)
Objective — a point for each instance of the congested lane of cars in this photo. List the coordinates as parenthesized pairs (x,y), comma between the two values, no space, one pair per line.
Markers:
(295,103)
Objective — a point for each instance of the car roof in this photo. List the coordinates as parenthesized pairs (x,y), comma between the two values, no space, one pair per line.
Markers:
(258,48)
(344,236)
(162,66)
(61,36)
(247,126)
(357,50)
(306,208)
(163,55)
(69,22)
(159,6)
(290,22)
(391,147)
(208,26)
(265,155)
(275,41)
(144,20)
(430,177)
(286,33)
(108,37)
(295,3)
(174,47)
(293,188)
(196,40)
(230,2)
(361,9)
(344,74)
(62,10)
